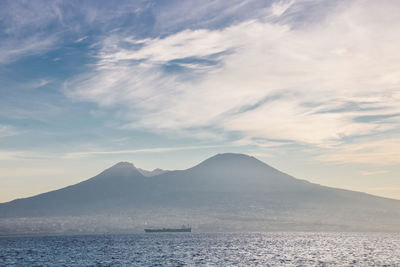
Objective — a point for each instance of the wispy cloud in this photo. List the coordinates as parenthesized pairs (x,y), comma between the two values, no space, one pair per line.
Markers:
(192,14)
(34,84)
(15,48)
(136,151)
(348,57)
(18,155)
(385,151)
(36,27)
(368,173)
(317,79)
(278,8)
(24,28)
(81,39)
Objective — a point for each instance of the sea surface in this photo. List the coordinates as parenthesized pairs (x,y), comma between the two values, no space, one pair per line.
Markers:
(204,249)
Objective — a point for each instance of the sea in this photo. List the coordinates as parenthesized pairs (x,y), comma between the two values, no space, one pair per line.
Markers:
(204,249)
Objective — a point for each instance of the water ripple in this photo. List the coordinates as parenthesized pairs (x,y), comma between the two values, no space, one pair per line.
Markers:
(204,249)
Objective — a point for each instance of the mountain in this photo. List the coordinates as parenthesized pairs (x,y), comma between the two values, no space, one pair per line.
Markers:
(227,192)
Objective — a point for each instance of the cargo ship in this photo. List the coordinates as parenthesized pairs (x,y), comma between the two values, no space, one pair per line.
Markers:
(183,229)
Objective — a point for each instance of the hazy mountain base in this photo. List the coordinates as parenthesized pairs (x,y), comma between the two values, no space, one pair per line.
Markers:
(200,221)
(228,192)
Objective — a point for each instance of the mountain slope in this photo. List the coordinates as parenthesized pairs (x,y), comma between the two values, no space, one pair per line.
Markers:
(91,196)
(227,191)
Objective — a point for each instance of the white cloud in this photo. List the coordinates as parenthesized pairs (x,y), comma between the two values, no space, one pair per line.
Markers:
(269,80)
(278,8)
(197,43)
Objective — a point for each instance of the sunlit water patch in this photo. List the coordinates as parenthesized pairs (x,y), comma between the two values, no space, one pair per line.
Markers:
(204,249)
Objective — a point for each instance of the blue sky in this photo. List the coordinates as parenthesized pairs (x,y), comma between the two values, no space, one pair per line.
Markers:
(310,87)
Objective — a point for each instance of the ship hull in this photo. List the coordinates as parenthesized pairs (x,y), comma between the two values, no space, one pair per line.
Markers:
(168,230)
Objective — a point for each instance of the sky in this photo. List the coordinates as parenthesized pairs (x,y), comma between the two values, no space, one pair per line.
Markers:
(311,87)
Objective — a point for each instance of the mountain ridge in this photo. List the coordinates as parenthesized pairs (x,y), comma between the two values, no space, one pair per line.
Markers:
(234,191)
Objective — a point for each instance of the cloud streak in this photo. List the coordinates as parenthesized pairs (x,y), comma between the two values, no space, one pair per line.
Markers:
(375,152)
(18,155)
(136,151)
(14,49)
(368,173)
(305,74)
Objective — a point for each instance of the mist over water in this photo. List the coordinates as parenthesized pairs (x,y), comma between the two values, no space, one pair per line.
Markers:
(204,249)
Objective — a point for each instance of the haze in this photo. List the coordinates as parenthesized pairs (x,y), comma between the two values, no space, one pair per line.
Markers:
(309,87)
(225,193)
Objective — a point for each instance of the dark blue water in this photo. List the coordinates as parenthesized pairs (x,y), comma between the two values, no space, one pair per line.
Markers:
(203,249)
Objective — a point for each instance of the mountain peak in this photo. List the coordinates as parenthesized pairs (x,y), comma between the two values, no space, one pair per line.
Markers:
(228,163)
(225,184)
(230,158)
(122,168)
(124,164)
